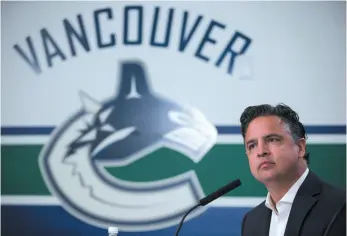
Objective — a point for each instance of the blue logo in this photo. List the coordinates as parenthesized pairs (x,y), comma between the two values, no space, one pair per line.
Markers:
(118,132)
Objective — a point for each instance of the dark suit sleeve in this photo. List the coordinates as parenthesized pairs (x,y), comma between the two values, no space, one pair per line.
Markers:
(338,226)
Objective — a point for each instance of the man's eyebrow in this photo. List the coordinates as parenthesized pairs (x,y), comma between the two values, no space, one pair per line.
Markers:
(266,136)
(273,135)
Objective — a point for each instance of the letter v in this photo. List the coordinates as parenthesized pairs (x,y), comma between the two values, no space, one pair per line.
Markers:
(32,61)
(184,40)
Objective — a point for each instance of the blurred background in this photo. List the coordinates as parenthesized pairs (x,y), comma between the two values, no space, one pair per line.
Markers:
(127,113)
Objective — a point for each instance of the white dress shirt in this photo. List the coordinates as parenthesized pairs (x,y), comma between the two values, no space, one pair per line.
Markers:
(280,216)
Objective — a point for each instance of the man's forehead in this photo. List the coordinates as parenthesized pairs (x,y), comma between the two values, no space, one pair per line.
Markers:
(264,125)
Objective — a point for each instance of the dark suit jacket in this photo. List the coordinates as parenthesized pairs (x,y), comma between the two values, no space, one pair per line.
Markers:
(313,209)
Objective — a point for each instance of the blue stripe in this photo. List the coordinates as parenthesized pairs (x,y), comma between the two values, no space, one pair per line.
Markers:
(47,130)
(310,129)
(54,220)
(23,130)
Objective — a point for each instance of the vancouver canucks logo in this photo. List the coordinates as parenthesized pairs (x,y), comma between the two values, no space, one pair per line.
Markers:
(119,132)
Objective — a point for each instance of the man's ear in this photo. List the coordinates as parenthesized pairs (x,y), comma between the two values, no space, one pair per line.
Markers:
(302,147)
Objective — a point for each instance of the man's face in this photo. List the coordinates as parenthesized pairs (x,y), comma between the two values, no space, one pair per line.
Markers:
(271,150)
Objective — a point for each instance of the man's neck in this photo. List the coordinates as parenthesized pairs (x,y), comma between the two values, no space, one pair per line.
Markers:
(279,188)
(276,193)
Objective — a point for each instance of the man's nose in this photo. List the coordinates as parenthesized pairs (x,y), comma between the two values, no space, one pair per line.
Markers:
(263,149)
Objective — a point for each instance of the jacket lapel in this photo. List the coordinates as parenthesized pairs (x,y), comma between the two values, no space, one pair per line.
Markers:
(305,199)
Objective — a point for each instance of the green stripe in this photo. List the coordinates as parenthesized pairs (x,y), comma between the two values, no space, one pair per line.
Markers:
(20,174)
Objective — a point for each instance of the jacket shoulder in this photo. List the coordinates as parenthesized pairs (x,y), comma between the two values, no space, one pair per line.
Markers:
(333,193)
(314,184)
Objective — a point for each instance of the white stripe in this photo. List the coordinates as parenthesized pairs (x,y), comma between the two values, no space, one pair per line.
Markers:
(24,140)
(222,139)
(237,201)
(29,200)
(53,201)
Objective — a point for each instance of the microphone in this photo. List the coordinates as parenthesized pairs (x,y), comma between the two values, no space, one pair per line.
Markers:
(211,197)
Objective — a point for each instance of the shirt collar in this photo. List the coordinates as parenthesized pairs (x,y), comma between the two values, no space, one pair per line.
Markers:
(290,195)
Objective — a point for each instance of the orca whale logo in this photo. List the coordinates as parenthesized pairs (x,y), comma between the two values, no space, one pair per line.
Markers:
(118,132)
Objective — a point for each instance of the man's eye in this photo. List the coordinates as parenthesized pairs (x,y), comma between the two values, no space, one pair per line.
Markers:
(251,146)
(273,139)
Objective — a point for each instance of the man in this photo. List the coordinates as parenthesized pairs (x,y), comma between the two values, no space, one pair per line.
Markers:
(298,202)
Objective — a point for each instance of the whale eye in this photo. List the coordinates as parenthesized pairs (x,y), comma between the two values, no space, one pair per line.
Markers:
(103,116)
(105,125)
(88,136)
(113,138)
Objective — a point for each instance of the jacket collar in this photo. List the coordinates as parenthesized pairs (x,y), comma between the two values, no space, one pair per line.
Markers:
(304,200)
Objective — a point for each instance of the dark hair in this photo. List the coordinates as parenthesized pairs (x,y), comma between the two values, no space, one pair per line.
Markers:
(284,112)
